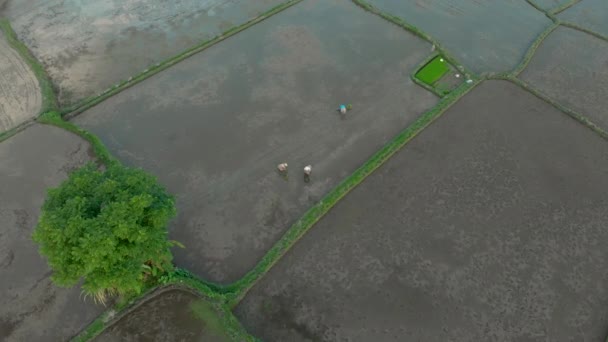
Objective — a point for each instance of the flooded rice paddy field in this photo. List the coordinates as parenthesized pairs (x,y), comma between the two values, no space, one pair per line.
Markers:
(572,68)
(169,317)
(590,14)
(488,226)
(214,127)
(87,46)
(31,307)
(486,36)
(20,97)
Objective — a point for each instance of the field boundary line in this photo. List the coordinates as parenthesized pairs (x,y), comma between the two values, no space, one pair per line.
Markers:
(559,9)
(236,291)
(87,103)
(584,30)
(543,11)
(532,49)
(416,31)
(566,110)
(13,131)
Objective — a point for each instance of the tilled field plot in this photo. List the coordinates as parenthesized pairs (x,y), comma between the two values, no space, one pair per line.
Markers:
(572,68)
(491,35)
(214,127)
(20,97)
(87,46)
(488,226)
(31,307)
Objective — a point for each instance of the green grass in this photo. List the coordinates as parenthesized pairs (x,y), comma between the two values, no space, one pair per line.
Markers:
(49,100)
(433,70)
(236,291)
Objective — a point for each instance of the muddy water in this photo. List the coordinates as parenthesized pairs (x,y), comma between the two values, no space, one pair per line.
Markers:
(572,68)
(491,35)
(20,97)
(88,45)
(31,307)
(167,317)
(590,14)
(214,127)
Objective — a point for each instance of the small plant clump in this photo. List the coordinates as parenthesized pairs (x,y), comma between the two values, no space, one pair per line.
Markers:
(107,228)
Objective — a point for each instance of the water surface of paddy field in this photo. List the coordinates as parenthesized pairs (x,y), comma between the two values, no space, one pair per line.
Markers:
(572,68)
(214,127)
(87,46)
(31,307)
(167,317)
(488,226)
(20,98)
(490,35)
(590,14)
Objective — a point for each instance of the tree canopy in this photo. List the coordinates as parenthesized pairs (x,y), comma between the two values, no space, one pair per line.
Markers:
(108,228)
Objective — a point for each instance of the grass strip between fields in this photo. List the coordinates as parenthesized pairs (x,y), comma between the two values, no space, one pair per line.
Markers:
(179,279)
(92,101)
(236,291)
(49,100)
(584,30)
(532,49)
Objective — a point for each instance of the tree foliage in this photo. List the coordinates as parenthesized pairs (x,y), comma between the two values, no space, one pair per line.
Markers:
(108,228)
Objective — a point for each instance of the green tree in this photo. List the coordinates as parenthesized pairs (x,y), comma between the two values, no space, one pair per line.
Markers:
(108,228)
